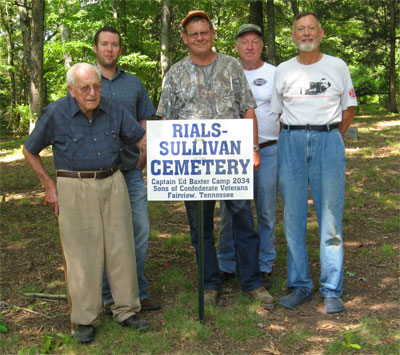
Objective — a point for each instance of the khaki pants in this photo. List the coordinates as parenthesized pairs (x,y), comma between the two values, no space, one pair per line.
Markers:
(96,230)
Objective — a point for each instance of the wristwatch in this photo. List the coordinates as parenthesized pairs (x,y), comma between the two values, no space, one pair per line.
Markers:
(256,148)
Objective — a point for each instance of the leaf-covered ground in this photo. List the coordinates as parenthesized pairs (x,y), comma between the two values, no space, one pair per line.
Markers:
(31,261)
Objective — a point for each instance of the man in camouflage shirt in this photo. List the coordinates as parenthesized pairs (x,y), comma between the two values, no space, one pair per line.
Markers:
(209,85)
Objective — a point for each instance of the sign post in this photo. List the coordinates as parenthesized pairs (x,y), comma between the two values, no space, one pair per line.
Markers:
(198,160)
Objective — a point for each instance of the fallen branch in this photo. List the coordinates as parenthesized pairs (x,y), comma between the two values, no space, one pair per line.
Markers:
(44,295)
(34,312)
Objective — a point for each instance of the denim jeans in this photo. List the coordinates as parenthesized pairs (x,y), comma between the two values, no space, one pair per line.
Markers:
(246,241)
(316,159)
(141,229)
(265,194)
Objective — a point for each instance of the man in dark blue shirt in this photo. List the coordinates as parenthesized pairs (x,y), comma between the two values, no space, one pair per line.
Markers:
(128,90)
(90,196)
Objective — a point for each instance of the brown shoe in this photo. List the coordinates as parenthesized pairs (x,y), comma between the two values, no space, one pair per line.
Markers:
(149,304)
(262,295)
(210,297)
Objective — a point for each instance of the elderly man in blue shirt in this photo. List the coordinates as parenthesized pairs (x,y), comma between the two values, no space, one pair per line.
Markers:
(90,197)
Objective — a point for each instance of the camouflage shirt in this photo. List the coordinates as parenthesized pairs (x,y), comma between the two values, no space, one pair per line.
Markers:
(215,91)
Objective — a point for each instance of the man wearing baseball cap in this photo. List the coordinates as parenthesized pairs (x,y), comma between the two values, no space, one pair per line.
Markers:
(260,76)
(209,85)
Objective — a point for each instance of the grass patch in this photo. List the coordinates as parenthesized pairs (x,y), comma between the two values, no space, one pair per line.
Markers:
(392,224)
(371,336)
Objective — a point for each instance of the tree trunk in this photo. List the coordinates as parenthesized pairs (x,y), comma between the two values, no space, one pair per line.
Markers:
(5,19)
(32,30)
(257,17)
(392,68)
(165,31)
(295,7)
(65,36)
(36,88)
(271,32)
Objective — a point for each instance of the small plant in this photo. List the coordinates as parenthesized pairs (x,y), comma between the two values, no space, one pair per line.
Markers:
(347,343)
(3,324)
(387,251)
(350,274)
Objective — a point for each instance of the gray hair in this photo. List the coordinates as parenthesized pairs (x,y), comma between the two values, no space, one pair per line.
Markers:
(72,71)
(304,14)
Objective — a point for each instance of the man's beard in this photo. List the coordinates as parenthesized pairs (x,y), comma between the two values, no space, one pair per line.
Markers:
(307,47)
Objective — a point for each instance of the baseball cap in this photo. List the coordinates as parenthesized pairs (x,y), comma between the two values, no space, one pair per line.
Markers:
(249,27)
(193,13)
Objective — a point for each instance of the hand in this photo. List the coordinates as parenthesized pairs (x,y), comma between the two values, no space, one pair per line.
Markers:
(142,160)
(256,160)
(142,143)
(52,198)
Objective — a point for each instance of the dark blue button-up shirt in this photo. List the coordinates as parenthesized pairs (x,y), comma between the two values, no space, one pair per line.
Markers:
(128,90)
(80,144)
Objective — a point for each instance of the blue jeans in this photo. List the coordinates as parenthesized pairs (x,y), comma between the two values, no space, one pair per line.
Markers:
(246,241)
(265,194)
(316,159)
(141,229)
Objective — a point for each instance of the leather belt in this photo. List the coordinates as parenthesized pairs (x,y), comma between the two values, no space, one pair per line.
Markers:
(267,144)
(321,128)
(88,174)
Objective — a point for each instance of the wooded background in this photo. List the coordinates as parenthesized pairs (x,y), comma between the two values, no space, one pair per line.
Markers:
(40,40)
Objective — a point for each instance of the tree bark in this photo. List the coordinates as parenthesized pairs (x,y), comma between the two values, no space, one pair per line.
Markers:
(5,19)
(32,30)
(257,17)
(36,89)
(65,36)
(392,67)
(271,32)
(165,33)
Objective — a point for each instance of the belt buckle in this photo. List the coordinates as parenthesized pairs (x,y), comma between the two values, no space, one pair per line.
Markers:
(308,127)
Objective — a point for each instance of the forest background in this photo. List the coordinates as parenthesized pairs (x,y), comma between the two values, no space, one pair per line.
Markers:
(40,40)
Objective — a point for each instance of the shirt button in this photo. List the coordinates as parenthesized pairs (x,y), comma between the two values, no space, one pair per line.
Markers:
(98,153)
(94,139)
(74,139)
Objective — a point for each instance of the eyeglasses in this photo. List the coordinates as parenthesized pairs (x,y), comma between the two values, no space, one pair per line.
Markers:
(197,34)
(88,88)
(254,42)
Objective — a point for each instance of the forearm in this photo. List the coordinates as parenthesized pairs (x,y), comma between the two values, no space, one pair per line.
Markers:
(347,118)
(50,186)
(250,114)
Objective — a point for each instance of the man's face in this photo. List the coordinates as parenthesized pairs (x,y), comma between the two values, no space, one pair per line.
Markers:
(86,89)
(107,49)
(307,35)
(198,38)
(249,47)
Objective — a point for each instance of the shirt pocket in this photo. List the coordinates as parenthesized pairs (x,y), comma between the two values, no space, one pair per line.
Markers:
(111,140)
(72,144)
(225,103)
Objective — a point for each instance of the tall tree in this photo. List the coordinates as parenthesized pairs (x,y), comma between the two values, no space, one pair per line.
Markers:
(8,26)
(256,17)
(392,66)
(271,32)
(32,28)
(165,34)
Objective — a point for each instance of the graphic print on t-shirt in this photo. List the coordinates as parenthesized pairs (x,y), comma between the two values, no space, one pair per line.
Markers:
(316,87)
(259,82)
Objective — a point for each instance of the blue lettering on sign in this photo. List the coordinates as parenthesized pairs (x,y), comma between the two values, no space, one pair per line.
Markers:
(195,130)
(197,167)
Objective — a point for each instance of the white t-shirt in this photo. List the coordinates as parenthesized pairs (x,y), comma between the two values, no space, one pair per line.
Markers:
(261,81)
(312,94)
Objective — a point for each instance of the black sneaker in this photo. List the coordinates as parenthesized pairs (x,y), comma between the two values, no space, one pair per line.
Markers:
(135,322)
(85,333)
